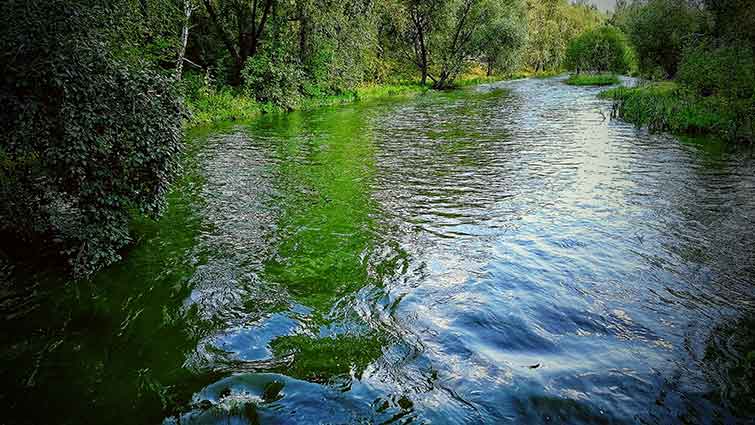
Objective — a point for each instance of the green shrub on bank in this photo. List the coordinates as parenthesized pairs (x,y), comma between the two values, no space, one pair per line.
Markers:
(727,70)
(603,49)
(210,105)
(270,77)
(88,138)
(593,80)
(669,107)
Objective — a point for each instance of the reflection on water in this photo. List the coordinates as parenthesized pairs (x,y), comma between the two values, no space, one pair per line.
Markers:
(498,255)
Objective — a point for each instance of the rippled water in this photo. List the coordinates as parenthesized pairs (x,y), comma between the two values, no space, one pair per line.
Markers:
(504,254)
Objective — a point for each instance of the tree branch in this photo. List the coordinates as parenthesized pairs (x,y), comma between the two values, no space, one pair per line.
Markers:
(220,30)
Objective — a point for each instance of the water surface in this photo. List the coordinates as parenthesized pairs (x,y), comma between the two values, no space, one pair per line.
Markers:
(504,254)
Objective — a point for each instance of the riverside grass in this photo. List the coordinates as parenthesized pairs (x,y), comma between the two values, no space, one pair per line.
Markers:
(666,106)
(212,107)
(593,80)
(230,105)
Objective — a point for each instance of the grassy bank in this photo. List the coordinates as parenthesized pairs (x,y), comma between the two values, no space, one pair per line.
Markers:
(593,80)
(668,107)
(211,106)
(208,106)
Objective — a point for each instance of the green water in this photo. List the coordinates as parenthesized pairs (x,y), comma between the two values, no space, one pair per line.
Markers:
(494,255)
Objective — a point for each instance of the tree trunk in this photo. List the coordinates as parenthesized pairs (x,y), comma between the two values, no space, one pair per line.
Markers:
(422,52)
(490,68)
(184,39)
(238,66)
(442,82)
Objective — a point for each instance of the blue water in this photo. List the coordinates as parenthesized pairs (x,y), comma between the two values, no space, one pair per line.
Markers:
(505,254)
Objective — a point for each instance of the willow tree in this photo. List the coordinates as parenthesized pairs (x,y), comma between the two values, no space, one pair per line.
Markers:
(552,24)
(442,37)
(504,37)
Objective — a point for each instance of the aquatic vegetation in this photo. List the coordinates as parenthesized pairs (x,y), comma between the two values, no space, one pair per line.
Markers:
(592,80)
(670,107)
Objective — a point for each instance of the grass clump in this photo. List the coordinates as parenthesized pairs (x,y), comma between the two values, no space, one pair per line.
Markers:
(593,80)
(223,105)
(668,106)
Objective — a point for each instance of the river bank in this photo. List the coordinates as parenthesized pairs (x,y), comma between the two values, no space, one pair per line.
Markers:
(666,106)
(209,106)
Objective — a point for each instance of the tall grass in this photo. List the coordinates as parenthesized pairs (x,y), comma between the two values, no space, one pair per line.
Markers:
(593,80)
(669,107)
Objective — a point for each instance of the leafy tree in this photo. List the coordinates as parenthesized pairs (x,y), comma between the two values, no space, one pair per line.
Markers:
(726,70)
(441,37)
(733,19)
(247,21)
(659,30)
(551,25)
(461,35)
(89,136)
(503,37)
(603,49)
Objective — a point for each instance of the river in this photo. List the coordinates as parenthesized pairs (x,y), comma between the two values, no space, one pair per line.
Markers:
(501,254)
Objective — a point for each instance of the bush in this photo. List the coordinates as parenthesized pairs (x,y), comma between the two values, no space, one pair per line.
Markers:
(604,49)
(727,71)
(270,77)
(88,139)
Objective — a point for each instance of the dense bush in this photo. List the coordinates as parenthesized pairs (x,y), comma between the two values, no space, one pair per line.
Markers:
(728,70)
(271,77)
(88,139)
(603,49)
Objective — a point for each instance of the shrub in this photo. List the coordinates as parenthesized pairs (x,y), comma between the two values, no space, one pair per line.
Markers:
(604,49)
(669,107)
(270,77)
(88,139)
(727,71)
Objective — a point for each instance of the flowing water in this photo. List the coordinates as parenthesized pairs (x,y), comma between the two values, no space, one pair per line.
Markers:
(503,254)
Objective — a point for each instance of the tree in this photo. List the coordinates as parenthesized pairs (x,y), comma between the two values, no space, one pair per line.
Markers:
(503,38)
(659,30)
(603,49)
(411,26)
(551,25)
(90,136)
(440,37)
(249,19)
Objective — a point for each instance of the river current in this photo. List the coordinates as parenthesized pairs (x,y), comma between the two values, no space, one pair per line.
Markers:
(501,254)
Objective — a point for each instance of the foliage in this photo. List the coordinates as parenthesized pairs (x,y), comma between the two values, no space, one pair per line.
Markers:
(270,77)
(659,31)
(503,39)
(593,80)
(603,49)
(727,70)
(670,107)
(222,105)
(707,46)
(552,24)
(89,137)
